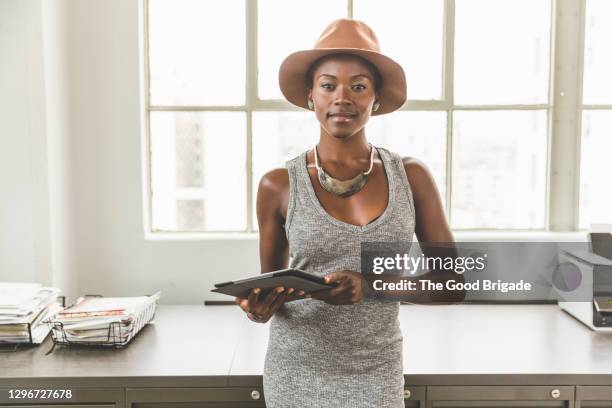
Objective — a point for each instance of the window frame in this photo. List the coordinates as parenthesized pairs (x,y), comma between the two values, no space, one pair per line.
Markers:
(564,113)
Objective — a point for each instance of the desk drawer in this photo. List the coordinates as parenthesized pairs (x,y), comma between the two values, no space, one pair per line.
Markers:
(230,397)
(593,396)
(500,397)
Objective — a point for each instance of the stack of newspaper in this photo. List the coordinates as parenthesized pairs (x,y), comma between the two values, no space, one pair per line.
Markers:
(103,320)
(24,307)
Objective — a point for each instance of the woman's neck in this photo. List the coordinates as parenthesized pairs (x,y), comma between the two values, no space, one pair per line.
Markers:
(343,151)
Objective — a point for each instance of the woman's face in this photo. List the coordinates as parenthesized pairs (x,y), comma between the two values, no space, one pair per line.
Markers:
(343,94)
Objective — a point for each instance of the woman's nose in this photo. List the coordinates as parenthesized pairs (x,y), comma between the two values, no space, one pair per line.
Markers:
(342,94)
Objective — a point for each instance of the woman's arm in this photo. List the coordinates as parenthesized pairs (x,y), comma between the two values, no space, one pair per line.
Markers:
(431,227)
(430,220)
(272,199)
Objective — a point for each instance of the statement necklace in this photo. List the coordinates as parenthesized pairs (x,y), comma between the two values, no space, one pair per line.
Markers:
(343,188)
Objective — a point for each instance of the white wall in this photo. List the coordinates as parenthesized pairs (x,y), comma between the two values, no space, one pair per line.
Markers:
(36,219)
(24,252)
(113,256)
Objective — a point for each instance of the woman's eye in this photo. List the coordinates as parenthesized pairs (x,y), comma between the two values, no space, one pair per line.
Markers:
(327,85)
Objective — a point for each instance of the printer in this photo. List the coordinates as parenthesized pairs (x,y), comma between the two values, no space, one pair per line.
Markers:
(596,268)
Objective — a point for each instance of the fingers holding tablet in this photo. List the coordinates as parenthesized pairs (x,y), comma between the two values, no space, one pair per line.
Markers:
(259,306)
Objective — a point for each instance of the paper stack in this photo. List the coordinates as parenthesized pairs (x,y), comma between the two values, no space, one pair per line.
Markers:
(103,320)
(23,309)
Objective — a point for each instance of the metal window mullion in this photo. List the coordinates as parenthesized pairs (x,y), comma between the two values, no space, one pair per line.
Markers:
(410,105)
(448,97)
(597,107)
(280,105)
(197,108)
(349,8)
(579,102)
(565,136)
(251,100)
(549,142)
(542,106)
(550,113)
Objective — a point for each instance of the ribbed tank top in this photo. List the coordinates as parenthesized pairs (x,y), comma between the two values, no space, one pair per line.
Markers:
(322,355)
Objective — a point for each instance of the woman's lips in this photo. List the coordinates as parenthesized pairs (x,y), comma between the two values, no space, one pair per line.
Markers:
(342,117)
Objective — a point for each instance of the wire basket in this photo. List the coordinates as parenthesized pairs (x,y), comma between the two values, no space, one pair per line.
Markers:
(116,336)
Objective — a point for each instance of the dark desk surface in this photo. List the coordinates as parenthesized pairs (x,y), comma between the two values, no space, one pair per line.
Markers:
(445,345)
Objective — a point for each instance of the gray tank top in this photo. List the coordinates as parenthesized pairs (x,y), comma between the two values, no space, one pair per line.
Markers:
(322,355)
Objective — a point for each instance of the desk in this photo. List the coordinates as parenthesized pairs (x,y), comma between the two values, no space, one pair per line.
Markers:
(212,356)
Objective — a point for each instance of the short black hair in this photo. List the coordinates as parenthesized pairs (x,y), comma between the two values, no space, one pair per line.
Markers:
(371,67)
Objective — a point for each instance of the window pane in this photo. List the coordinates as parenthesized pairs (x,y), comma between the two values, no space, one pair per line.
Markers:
(598,52)
(499,169)
(421,135)
(188,64)
(595,169)
(198,176)
(502,51)
(279,35)
(411,32)
(278,137)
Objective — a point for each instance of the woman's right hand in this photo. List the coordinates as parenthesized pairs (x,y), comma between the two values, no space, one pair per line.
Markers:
(260,310)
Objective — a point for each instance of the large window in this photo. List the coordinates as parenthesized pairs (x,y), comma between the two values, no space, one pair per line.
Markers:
(478,112)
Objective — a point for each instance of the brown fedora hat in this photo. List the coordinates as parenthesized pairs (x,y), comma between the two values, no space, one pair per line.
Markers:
(344,36)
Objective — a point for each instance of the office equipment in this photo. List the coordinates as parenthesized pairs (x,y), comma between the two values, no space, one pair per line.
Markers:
(596,268)
(103,321)
(601,244)
(287,278)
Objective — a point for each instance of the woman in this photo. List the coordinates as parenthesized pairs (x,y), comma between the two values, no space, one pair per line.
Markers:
(342,347)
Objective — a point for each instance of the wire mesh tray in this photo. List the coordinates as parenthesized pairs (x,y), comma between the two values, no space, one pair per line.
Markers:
(117,335)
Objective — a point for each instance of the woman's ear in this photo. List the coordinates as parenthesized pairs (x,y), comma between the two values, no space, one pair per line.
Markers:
(309,100)
(376,104)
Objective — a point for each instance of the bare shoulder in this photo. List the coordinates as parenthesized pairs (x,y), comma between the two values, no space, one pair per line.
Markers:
(420,178)
(273,192)
(414,164)
(275,180)
(416,171)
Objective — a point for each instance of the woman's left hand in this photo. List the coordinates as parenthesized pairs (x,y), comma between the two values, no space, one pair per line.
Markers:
(348,289)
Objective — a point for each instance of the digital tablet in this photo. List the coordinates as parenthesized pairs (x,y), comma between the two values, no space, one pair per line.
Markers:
(287,278)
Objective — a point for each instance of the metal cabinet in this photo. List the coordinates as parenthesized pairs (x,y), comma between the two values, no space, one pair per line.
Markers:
(78,397)
(230,397)
(593,396)
(245,397)
(500,396)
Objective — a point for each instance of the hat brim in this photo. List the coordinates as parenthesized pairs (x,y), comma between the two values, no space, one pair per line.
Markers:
(292,76)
